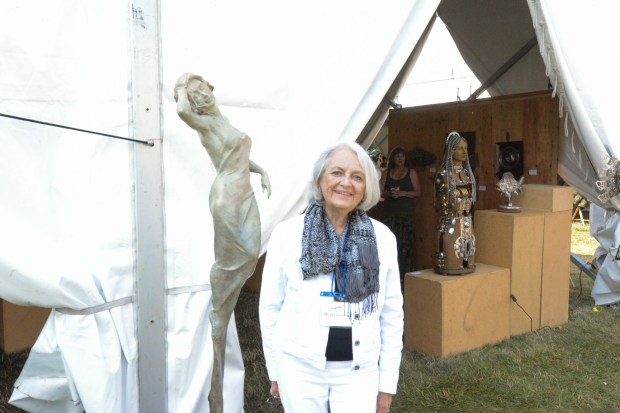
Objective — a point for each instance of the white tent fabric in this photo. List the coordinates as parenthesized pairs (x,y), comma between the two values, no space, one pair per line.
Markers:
(578,53)
(489,33)
(582,77)
(295,77)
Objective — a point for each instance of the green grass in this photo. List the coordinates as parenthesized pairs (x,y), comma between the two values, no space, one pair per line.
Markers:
(581,241)
(571,368)
(574,368)
(10,367)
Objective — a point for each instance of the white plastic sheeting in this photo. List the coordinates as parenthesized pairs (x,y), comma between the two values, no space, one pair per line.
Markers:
(295,77)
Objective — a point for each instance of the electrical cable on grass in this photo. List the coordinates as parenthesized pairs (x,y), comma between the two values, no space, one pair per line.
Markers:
(150,143)
(513,298)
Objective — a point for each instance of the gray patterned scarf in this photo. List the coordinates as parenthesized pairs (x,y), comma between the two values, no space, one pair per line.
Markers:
(322,252)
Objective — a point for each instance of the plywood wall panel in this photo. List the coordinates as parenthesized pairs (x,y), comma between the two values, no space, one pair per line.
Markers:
(532,118)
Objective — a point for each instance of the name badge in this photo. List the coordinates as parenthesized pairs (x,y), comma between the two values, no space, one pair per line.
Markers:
(334,313)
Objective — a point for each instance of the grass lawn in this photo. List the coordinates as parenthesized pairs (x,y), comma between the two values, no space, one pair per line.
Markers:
(571,368)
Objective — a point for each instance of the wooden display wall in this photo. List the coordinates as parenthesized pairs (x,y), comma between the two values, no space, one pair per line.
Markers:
(531,118)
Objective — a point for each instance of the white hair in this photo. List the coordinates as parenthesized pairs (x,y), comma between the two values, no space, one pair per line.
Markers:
(372,193)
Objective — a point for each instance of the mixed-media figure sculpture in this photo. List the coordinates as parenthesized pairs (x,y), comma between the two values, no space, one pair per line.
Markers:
(509,186)
(455,195)
(609,184)
(236,221)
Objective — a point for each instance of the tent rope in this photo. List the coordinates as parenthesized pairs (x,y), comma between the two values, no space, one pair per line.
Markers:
(150,142)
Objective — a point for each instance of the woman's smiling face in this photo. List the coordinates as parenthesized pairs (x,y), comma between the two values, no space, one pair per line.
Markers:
(342,182)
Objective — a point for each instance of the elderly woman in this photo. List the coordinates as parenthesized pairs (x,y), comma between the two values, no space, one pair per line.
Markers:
(455,195)
(331,305)
(235,214)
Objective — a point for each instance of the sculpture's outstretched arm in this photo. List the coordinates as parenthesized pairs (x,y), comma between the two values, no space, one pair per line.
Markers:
(264,180)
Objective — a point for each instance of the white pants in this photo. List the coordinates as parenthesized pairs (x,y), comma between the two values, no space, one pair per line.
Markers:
(306,389)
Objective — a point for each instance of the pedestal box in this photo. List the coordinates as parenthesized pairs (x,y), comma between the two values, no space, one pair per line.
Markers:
(20,326)
(556,202)
(555,268)
(547,198)
(515,241)
(451,314)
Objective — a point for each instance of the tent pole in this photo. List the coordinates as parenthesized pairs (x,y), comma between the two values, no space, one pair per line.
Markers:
(505,67)
(145,117)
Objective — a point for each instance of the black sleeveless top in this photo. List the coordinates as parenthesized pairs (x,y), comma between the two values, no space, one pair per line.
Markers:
(403,205)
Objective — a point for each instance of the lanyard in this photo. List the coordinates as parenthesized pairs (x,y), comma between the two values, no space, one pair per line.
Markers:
(343,266)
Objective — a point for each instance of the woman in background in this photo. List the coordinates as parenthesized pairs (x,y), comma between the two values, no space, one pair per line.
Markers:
(401,187)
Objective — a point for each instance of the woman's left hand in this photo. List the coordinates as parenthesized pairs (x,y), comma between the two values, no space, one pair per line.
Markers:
(384,400)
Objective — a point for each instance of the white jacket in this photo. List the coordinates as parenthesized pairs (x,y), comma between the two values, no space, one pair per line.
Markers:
(289,308)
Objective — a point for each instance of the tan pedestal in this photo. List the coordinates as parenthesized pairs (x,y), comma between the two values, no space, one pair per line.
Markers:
(548,198)
(20,326)
(555,268)
(556,202)
(451,314)
(515,241)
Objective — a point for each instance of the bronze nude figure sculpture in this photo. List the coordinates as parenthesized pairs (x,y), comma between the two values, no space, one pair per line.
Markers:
(236,221)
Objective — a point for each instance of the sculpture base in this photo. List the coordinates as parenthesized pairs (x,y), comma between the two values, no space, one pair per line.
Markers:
(509,208)
(449,315)
(459,271)
(515,241)
(20,326)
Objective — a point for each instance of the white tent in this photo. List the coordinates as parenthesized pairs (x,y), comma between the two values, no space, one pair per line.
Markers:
(80,213)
